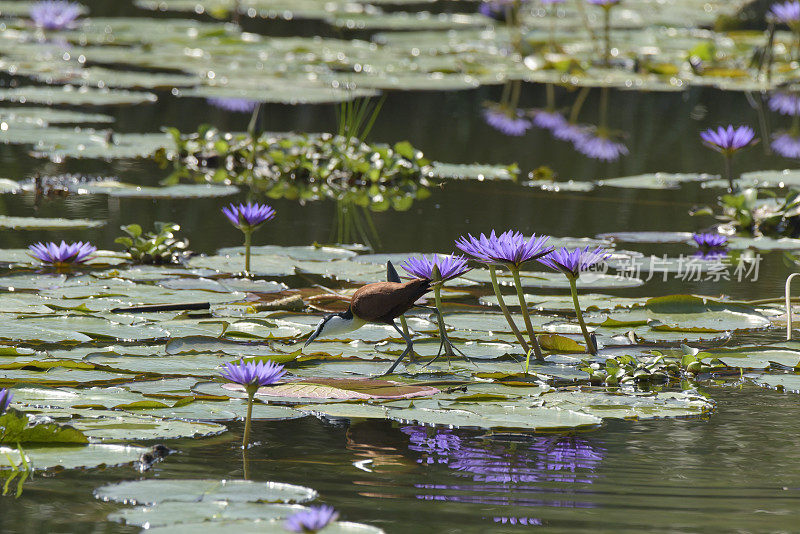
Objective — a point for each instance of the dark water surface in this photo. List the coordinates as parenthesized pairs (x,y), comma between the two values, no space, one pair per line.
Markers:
(737,470)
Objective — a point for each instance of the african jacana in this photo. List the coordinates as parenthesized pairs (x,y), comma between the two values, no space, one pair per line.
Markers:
(381,303)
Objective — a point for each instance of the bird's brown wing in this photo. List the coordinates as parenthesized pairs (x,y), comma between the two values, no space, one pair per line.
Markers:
(383,302)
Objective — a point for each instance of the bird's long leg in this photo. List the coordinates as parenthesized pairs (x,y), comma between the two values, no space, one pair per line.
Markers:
(409,347)
(448,346)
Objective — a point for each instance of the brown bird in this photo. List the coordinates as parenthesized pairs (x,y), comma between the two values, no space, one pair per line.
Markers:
(380,303)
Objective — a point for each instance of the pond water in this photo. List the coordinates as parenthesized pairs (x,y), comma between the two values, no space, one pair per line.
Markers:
(736,468)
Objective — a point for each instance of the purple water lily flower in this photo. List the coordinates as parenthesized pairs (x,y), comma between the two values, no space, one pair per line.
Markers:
(241,105)
(548,120)
(786,145)
(600,147)
(570,132)
(710,255)
(787,12)
(5,399)
(249,215)
(54,14)
(573,262)
(728,140)
(436,444)
(253,374)
(604,3)
(311,520)
(507,121)
(710,240)
(449,266)
(785,103)
(509,248)
(55,254)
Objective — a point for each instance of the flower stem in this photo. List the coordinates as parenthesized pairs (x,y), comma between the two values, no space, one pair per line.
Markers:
(607,36)
(438,299)
(246,437)
(436,278)
(502,303)
(248,234)
(573,288)
(525,315)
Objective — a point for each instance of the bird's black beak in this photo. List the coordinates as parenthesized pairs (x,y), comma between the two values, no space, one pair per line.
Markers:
(311,338)
(315,333)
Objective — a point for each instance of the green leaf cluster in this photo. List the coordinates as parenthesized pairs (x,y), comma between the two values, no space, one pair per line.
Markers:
(15,428)
(765,216)
(304,167)
(156,248)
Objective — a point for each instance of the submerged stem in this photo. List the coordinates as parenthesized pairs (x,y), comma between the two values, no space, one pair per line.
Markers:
(525,314)
(727,170)
(578,104)
(502,303)
(603,109)
(574,290)
(248,234)
(607,35)
(246,437)
(789,306)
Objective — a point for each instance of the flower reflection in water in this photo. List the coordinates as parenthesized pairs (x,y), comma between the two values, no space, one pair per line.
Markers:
(505,471)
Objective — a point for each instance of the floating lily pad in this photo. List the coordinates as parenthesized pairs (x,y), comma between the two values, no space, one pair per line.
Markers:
(243,526)
(42,117)
(692,313)
(647,237)
(784,382)
(158,491)
(175,191)
(73,457)
(75,96)
(497,416)
(41,223)
(173,514)
(658,180)
(302,253)
(472,172)
(343,389)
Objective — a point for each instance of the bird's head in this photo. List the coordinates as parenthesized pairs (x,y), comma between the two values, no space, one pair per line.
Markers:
(335,323)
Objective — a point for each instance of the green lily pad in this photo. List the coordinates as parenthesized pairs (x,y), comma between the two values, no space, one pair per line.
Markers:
(157,491)
(688,312)
(785,382)
(41,223)
(647,237)
(73,457)
(175,191)
(658,180)
(472,172)
(74,96)
(173,514)
(342,389)
(243,526)
(43,117)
